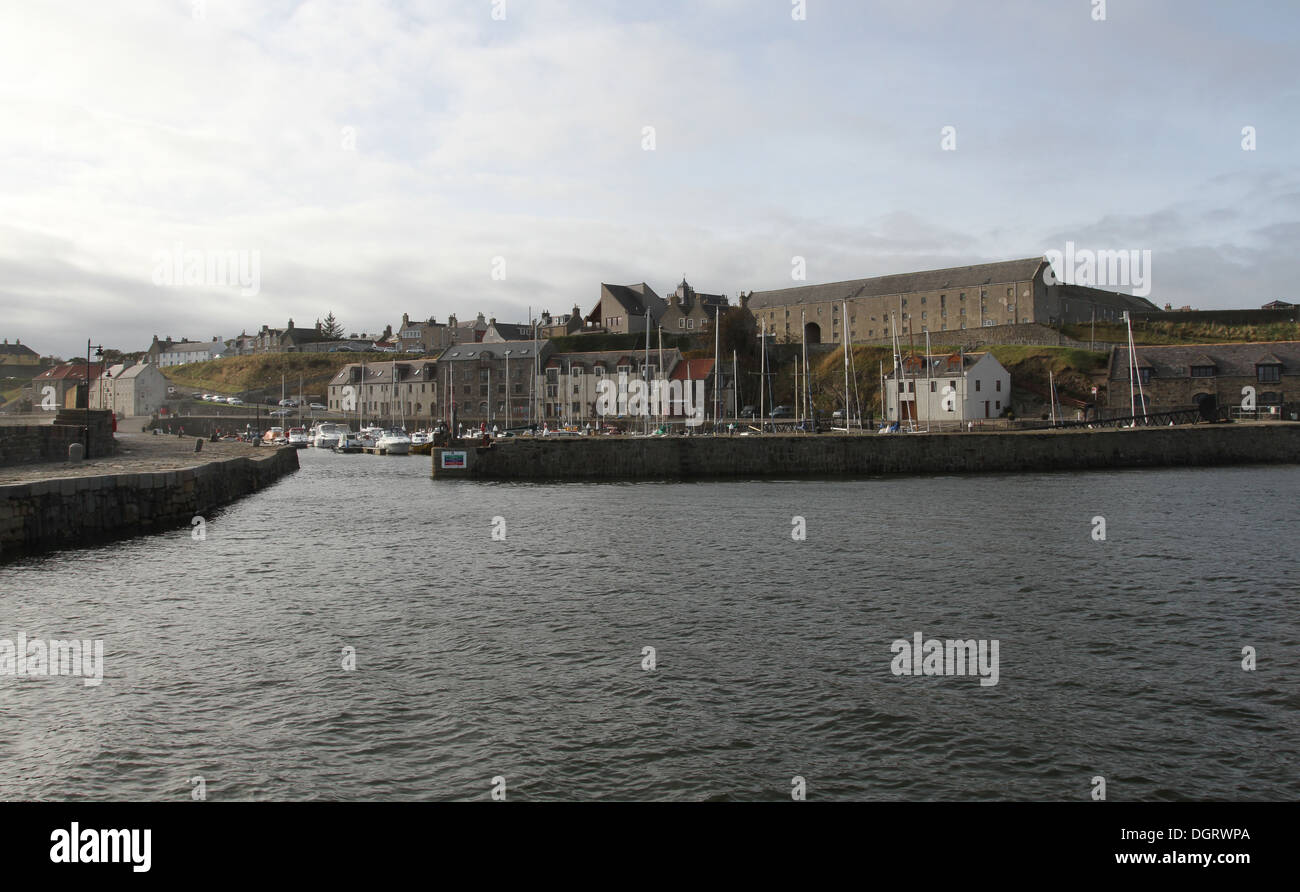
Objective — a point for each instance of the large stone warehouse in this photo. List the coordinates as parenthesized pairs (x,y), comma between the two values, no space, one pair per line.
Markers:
(987,294)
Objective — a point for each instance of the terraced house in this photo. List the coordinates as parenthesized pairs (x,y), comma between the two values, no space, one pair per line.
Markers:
(387,393)
(1185,375)
(982,295)
(491,384)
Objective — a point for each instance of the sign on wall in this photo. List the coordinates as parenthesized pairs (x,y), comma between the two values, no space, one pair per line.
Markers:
(453,460)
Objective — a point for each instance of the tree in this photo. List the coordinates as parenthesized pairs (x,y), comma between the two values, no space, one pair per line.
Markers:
(331,328)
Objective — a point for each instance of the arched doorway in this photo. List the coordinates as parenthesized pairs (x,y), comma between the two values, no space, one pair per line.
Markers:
(812,332)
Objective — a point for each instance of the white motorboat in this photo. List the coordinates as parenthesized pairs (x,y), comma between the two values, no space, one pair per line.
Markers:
(328,435)
(393,441)
(348,442)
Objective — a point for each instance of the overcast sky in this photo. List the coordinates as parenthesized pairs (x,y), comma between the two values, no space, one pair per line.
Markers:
(389,157)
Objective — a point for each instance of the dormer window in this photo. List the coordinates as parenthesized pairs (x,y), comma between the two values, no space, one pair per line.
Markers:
(1144,376)
(1268,373)
(1202,371)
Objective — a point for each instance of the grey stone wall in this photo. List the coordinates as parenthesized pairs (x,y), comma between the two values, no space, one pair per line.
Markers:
(22,444)
(71,511)
(626,458)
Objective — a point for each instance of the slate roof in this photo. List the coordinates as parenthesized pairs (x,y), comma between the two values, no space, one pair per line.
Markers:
(902,283)
(75,370)
(16,349)
(1229,360)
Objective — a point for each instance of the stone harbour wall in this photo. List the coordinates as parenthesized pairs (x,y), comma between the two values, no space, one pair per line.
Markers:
(627,458)
(72,511)
(24,444)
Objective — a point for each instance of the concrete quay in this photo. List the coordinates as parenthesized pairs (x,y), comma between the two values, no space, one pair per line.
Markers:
(151,483)
(863,455)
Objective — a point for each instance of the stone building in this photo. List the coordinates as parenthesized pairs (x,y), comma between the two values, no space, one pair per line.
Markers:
(426,337)
(504,332)
(549,326)
(626,308)
(569,383)
(56,388)
(688,310)
(398,392)
(491,383)
(1184,375)
(139,389)
(956,387)
(18,354)
(986,294)
(167,352)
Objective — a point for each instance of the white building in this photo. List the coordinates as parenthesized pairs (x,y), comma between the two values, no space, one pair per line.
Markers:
(130,390)
(953,387)
(168,352)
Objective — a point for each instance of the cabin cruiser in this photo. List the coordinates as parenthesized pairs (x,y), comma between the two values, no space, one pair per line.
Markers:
(328,435)
(297,438)
(348,441)
(393,441)
(421,438)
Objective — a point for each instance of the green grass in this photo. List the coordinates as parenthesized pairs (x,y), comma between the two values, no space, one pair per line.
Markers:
(1159,333)
(236,374)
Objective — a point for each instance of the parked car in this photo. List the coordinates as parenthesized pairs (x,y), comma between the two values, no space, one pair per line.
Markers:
(319,406)
(279,413)
(234,401)
(748,412)
(196,396)
(780,412)
(292,404)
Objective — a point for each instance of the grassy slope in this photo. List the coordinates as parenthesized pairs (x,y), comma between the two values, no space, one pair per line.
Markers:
(1074,371)
(1185,332)
(240,374)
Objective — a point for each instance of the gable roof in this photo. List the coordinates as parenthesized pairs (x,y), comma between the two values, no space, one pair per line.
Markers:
(903,283)
(74,370)
(1229,360)
(692,370)
(16,349)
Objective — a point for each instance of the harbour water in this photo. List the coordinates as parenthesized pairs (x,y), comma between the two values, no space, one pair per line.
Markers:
(524,657)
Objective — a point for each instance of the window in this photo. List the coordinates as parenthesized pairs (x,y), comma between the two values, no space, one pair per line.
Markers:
(625,370)
(1202,371)
(923,303)
(1268,374)
(998,388)
(681,323)
(900,387)
(923,312)
(997,404)
(482,390)
(977,385)
(599,371)
(1144,375)
(690,323)
(932,387)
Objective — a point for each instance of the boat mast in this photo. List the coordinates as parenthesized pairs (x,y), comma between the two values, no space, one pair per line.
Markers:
(762,373)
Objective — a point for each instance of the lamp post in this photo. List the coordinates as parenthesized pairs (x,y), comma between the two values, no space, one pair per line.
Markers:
(99,353)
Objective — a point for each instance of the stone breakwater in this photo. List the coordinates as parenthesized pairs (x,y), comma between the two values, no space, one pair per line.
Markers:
(64,511)
(625,458)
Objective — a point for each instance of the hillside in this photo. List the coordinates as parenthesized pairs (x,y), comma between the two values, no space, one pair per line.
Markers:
(1155,333)
(1074,371)
(262,372)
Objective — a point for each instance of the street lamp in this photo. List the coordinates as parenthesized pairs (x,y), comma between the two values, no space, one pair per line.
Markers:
(99,354)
